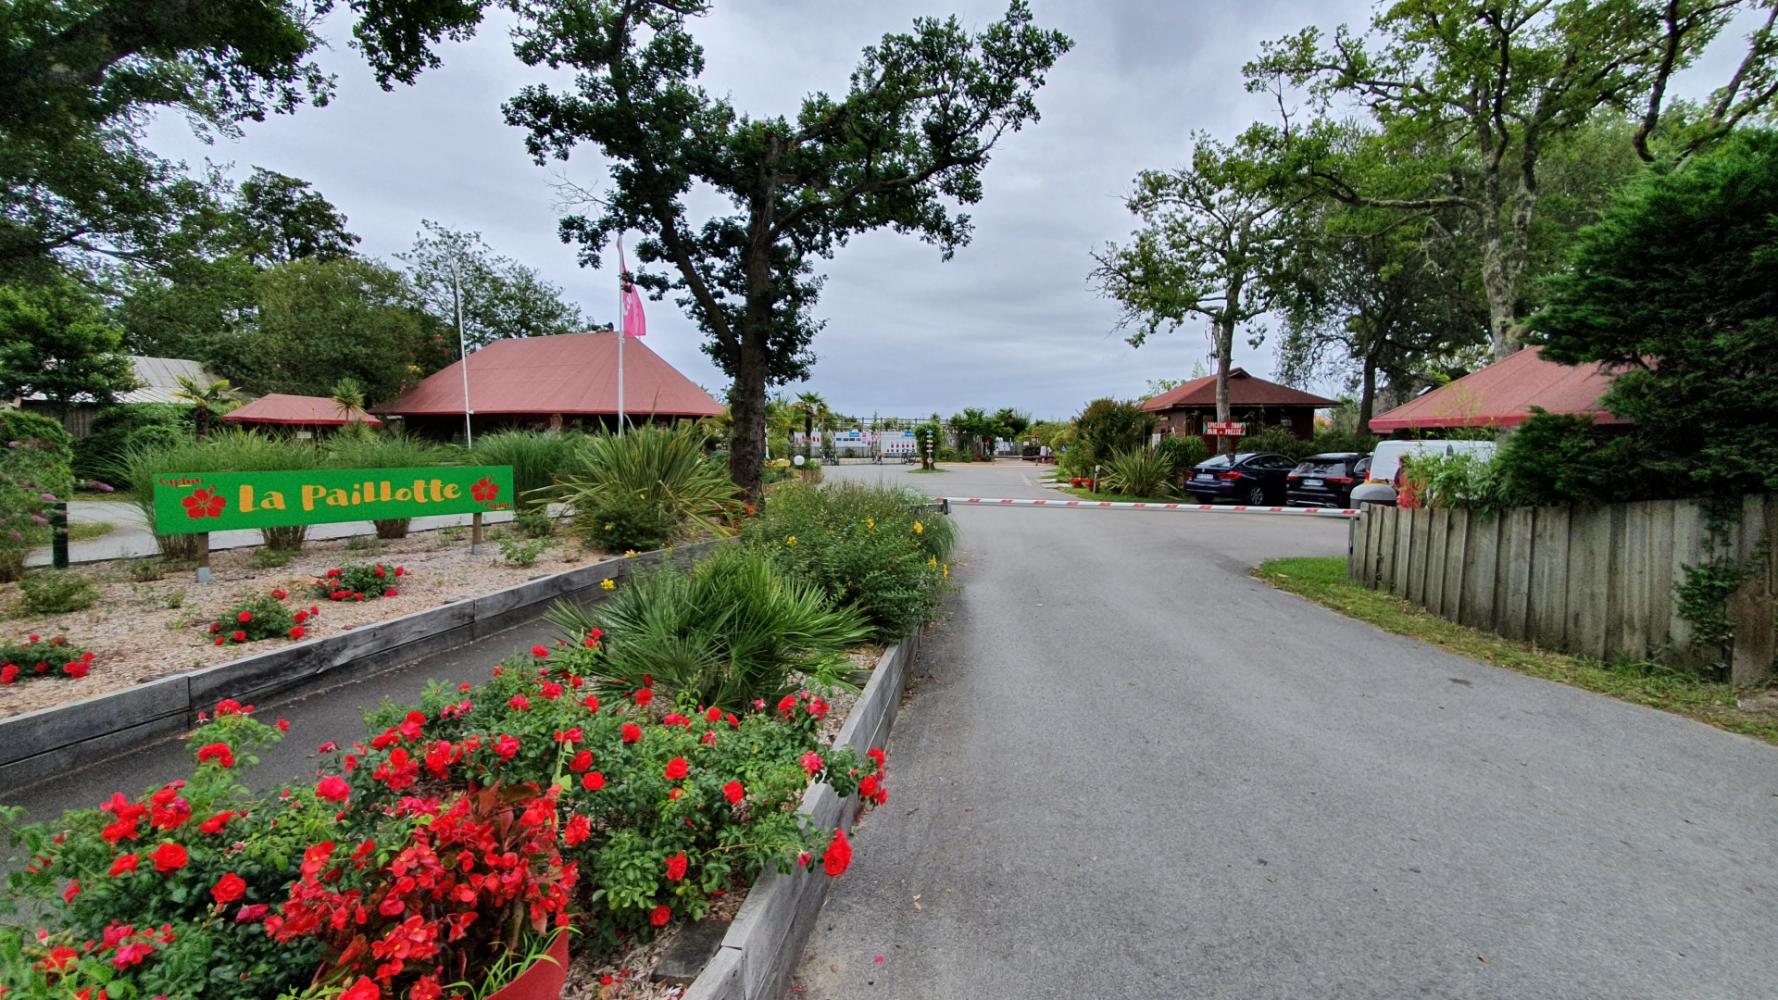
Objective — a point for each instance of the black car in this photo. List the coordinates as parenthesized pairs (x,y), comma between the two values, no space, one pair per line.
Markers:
(1255,478)
(1326,480)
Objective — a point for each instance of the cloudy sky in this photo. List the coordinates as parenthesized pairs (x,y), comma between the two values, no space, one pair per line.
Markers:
(1010,321)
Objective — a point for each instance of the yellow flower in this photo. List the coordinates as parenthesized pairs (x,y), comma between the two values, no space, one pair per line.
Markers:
(607,525)
(932,561)
(790,540)
(607,584)
(919,529)
(871,523)
(642,496)
(947,571)
(629,553)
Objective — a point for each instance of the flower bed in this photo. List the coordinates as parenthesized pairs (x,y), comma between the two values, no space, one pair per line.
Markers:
(619,813)
(143,629)
(37,657)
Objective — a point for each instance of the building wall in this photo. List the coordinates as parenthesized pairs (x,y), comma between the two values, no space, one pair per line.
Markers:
(1300,420)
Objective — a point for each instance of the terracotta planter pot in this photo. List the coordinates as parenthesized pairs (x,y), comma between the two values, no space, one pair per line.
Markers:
(543,980)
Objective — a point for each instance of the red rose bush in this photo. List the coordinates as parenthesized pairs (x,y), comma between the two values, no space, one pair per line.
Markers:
(38,657)
(360,582)
(262,617)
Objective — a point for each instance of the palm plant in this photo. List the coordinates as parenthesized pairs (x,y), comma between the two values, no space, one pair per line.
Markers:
(1138,472)
(813,409)
(727,632)
(660,467)
(208,400)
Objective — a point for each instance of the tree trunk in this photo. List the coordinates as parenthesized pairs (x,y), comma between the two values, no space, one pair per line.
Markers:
(1225,359)
(747,400)
(1367,395)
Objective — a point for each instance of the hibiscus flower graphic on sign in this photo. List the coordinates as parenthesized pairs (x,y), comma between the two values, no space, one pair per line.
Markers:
(204,503)
(485,490)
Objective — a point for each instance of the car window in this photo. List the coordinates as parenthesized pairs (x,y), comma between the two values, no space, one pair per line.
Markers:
(1273,462)
(1214,462)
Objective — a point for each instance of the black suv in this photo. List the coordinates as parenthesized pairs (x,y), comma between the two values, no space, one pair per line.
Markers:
(1326,480)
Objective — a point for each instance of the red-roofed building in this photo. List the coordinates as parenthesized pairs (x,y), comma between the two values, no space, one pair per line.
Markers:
(1504,394)
(1253,401)
(551,382)
(284,410)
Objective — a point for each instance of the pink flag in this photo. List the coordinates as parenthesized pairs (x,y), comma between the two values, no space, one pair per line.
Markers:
(635,324)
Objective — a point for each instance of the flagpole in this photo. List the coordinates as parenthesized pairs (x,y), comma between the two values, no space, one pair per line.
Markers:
(462,354)
(622,334)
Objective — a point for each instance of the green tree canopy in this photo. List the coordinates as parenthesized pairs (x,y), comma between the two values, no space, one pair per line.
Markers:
(321,321)
(278,219)
(1677,288)
(56,341)
(500,297)
(903,145)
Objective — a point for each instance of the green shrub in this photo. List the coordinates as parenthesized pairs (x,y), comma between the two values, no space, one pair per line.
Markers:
(269,558)
(98,452)
(522,551)
(1462,479)
(1106,428)
(535,523)
(538,460)
(1325,442)
(286,537)
(147,570)
(57,591)
(37,658)
(656,467)
(1138,472)
(1181,453)
(262,616)
(387,451)
(1279,441)
(359,582)
(726,632)
(34,474)
(860,545)
(1562,459)
(156,436)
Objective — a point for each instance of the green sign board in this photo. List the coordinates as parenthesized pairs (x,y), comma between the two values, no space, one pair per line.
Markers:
(190,502)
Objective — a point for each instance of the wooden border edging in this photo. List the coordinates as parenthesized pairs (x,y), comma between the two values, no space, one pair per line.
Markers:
(765,941)
(40,745)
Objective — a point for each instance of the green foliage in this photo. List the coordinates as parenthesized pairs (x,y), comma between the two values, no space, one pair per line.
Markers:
(56,341)
(269,558)
(1105,428)
(726,632)
(625,522)
(359,582)
(38,658)
(1561,458)
(860,544)
(56,592)
(34,474)
(1461,479)
(1181,453)
(1278,441)
(278,218)
(323,320)
(537,458)
(385,451)
(522,551)
(535,523)
(1676,288)
(1139,472)
(146,570)
(262,616)
(1703,601)
(650,465)
(500,297)
(95,454)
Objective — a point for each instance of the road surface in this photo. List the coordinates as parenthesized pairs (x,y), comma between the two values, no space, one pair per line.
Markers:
(1128,770)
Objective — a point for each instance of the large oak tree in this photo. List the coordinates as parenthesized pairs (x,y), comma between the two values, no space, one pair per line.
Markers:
(906,141)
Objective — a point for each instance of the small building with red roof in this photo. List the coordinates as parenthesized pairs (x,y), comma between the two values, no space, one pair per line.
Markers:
(551,382)
(1253,401)
(285,410)
(1503,394)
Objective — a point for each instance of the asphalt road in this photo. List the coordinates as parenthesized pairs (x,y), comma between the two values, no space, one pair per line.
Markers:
(1127,769)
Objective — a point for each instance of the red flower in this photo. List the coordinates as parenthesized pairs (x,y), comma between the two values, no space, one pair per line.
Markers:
(577,830)
(229,888)
(77,669)
(333,788)
(872,788)
(58,959)
(297,632)
(391,592)
(592,781)
(9,673)
(812,762)
(204,503)
(73,890)
(838,856)
(734,791)
(244,617)
(238,635)
(484,491)
(676,867)
(540,651)
(215,823)
(518,702)
(279,593)
(169,857)
(283,725)
(660,916)
(876,754)
(631,732)
(643,697)
(506,746)
(221,753)
(124,863)
(300,617)
(581,761)
(362,989)
(676,769)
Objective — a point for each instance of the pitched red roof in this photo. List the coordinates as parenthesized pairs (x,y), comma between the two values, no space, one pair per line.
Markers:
(1244,390)
(571,373)
(1503,394)
(306,411)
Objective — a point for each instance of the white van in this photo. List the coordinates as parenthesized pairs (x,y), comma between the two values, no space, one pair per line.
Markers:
(1379,484)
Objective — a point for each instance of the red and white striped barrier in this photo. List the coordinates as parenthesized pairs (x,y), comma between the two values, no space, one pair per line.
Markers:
(1201,508)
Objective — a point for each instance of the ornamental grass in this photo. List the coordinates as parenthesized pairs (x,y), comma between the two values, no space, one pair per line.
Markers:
(228,450)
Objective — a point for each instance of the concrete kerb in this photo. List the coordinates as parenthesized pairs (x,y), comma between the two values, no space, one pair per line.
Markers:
(38,745)
(765,942)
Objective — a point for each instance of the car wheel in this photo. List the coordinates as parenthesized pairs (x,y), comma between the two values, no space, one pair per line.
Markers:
(1256,496)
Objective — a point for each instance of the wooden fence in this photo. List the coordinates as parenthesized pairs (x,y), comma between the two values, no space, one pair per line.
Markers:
(1595,581)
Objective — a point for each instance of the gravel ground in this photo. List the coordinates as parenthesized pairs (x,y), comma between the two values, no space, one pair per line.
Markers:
(141,631)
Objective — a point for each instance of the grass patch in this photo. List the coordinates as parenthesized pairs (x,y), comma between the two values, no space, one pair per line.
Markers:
(1323,580)
(1086,494)
(925,472)
(78,531)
